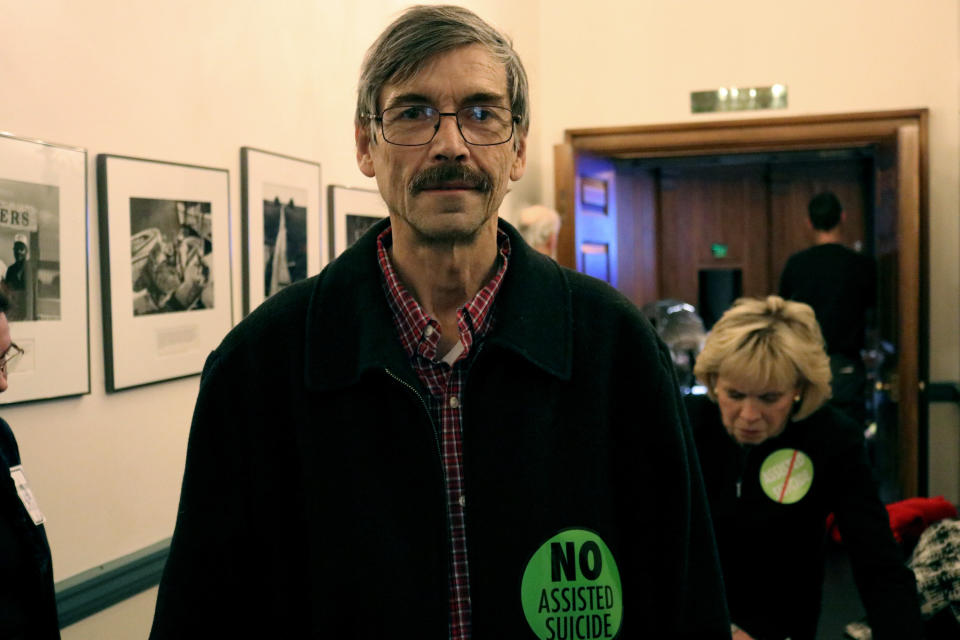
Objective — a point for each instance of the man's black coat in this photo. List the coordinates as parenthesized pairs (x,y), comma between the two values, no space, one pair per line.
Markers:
(313,498)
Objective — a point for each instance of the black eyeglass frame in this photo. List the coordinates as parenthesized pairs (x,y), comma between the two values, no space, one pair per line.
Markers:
(514,121)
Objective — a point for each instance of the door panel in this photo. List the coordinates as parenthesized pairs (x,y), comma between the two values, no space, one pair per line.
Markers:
(897,238)
(564,169)
(595,260)
(595,206)
(713,218)
(637,233)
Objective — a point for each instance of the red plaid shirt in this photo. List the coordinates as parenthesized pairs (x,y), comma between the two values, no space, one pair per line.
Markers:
(444,375)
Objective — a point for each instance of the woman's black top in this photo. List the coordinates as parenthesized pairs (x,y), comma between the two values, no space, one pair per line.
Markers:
(769,505)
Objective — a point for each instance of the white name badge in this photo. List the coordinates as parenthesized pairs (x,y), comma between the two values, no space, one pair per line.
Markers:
(26,495)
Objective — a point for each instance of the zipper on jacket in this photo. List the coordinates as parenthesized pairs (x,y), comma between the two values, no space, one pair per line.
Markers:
(443,473)
(433,427)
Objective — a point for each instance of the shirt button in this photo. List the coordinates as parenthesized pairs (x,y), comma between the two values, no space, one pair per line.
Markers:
(462,500)
(428,331)
(454,402)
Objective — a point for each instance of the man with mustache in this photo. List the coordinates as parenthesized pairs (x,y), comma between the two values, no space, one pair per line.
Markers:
(444,434)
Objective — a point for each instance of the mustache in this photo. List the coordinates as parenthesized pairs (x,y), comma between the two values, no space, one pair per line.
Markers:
(439,175)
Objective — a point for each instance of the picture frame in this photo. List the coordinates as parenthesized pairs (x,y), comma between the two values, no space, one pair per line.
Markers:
(43,229)
(279,193)
(165,267)
(352,212)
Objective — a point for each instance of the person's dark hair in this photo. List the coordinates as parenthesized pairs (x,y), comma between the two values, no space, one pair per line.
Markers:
(425,31)
(824,210)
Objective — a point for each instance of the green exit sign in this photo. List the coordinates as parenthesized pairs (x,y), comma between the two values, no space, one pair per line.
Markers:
(718,250)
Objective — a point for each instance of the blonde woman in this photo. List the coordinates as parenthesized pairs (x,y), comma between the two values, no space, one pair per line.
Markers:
(776,460)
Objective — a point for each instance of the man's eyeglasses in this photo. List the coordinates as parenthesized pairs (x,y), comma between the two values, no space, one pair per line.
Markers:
(9,356)
(416,125)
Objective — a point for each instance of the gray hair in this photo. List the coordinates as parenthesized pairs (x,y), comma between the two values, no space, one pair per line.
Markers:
(768,340)
(537,223)
(422,32)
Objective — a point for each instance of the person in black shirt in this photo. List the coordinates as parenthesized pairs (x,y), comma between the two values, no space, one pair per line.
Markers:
(454,471)
(16,280)
(28,608)
(775,461)
(840,284)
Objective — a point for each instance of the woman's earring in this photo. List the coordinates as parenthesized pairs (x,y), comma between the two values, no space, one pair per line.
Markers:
(796,398)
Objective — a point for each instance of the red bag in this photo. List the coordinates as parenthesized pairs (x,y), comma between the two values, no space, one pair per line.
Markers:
(908,518)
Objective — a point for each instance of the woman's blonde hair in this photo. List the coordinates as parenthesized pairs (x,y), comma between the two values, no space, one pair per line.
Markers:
(768,341)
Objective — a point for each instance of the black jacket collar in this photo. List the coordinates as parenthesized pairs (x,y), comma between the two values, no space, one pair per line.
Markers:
(350,329)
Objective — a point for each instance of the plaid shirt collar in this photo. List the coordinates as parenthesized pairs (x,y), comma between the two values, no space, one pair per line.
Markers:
(419,333)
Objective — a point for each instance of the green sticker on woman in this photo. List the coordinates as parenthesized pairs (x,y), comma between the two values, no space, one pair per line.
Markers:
(571,588)
(786,475)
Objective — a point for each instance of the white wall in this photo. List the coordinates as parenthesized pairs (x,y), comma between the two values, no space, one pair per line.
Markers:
(193,81)
(613,62)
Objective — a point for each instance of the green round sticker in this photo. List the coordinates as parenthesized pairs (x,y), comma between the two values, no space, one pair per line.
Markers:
(786,475)
(571,588)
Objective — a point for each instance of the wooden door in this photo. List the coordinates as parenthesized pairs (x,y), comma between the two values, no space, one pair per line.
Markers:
(637,233)
(712,218)
(595,207)
(587,204)
(590,235)
(565,181)
(897,238)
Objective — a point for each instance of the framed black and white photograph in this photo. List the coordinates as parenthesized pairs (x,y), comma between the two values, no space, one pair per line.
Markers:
(165,267)
(43,266)
(281,223)
(352,212)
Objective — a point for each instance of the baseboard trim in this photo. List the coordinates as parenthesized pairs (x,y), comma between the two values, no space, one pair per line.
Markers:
(94,590)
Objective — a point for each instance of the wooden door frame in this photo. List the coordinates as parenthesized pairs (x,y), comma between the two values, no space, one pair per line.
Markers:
(725,137)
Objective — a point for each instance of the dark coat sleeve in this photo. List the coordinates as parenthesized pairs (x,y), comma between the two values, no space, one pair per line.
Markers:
(887,586)
(202,579)
(237,556)
(700,607)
